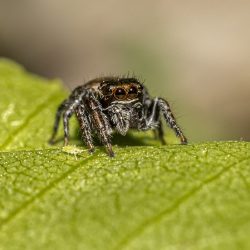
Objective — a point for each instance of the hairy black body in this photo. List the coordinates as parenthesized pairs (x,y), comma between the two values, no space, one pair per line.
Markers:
(108,104)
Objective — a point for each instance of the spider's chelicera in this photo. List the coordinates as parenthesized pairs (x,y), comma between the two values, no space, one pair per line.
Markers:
(108,104)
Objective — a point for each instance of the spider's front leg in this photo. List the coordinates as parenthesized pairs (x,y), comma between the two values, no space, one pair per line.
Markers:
(85,127)
(101,124)
(153,120)
(169,117)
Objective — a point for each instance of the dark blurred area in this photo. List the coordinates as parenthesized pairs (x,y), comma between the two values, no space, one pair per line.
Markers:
(194,53)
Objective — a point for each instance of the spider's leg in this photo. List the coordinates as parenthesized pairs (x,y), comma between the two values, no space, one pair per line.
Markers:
(169,117)
(66,109)
(101,124)
(159,130)
(159,133)
(66,116)
(73,102)
(59,112)
(85,127)
(153,114)
(153,120)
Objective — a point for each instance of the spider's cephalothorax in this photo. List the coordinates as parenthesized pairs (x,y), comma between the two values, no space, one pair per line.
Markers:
(108,104)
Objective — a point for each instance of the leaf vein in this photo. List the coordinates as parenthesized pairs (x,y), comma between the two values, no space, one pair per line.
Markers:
(158,217)
(26,121)
(42,193)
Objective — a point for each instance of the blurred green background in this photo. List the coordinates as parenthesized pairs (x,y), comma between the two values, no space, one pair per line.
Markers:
(193,53)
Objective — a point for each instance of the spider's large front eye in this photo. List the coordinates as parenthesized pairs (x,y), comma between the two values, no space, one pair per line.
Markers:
(120,94)
(132,92)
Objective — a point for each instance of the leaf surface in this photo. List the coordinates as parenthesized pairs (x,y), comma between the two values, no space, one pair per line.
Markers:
(147,197)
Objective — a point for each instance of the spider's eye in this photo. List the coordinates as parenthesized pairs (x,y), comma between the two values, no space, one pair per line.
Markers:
(107,90)
(132,93)
(120,93)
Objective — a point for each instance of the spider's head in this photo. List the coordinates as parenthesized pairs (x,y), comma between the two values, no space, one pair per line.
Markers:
(122,98)
(122,91)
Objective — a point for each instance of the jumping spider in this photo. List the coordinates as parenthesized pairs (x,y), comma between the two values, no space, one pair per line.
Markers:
(112,103)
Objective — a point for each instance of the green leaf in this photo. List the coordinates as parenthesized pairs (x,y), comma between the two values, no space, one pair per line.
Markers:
(147,197)
(27,106)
